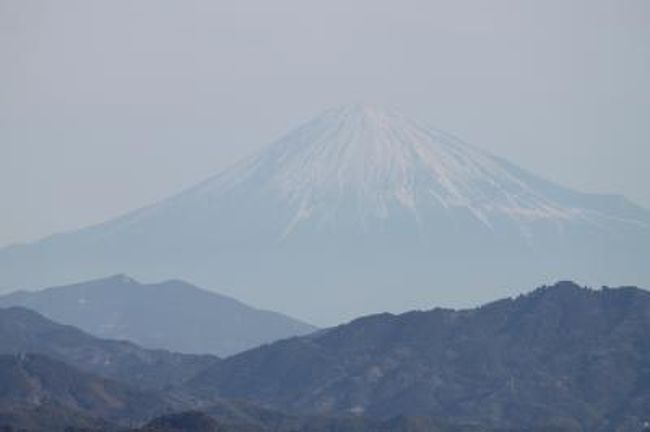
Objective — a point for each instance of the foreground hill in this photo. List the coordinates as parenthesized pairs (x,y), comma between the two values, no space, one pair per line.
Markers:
(38,393)
(562,356)
(25,331)
(172,315)
(357,211)
(201,422)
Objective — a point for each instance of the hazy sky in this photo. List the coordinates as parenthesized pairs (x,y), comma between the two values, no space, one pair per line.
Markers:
(109,105)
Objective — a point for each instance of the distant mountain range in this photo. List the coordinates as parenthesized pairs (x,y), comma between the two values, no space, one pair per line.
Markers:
(171,315)
(562,358)
(357,211)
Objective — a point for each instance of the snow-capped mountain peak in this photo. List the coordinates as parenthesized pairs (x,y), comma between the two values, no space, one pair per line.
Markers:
(379,160)
(359,210)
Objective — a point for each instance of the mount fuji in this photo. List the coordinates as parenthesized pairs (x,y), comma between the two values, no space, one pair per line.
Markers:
(357,211)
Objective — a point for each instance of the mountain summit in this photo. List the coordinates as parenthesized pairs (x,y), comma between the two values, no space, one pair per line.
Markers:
(356,211)
(380,162)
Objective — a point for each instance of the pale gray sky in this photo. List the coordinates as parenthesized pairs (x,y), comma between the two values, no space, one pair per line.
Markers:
(109,105)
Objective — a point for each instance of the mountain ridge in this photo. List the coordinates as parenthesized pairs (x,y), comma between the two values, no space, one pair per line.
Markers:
(561,354)
(172,315)
(560,358)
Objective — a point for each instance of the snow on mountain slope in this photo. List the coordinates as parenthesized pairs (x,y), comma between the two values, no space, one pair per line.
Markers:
(361,201)
(384,159)
(371,163)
